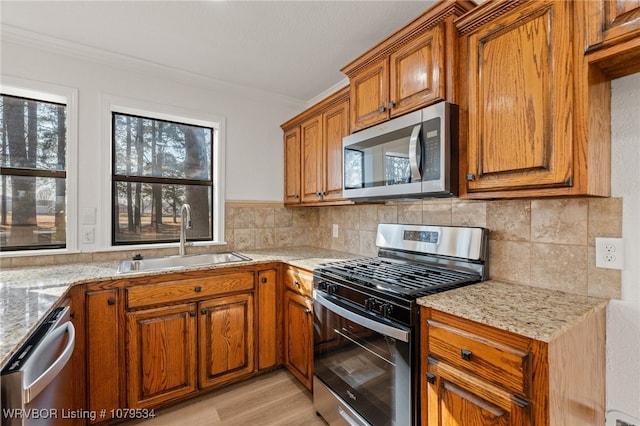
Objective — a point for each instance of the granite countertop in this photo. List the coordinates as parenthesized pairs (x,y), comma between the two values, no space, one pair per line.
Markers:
(537,313)
(28,294)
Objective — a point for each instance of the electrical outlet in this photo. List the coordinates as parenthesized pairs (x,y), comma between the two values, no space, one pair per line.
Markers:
(88,234)
(335,230)
(609,253)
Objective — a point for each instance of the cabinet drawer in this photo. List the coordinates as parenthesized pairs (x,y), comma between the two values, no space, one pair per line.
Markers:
(496,362)
(175,291)
(298,281)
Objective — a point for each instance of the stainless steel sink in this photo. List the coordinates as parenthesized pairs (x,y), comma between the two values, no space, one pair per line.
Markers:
(177,262)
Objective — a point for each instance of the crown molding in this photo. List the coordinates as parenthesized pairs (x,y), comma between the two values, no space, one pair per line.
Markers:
(79,51)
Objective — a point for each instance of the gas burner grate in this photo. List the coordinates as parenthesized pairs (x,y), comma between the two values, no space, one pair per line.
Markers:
(399,276)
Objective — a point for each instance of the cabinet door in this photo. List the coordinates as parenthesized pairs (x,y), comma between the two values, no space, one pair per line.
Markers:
(103,352)
(370,95)
(619,20)
(520,81)
(226,349)
(335,126)
(457,398)
(292,166)
(298,336)
(417,72)
(161,354)
(311,137)
(267,319)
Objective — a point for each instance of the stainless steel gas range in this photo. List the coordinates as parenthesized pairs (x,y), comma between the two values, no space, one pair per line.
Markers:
(366,320)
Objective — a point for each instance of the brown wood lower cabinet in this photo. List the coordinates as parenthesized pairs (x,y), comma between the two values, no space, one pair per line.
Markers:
(161,354)
(298,336)
(103,350)
(225,336)
(474,374)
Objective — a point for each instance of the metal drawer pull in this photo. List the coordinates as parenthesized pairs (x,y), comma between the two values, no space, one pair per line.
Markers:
(264,280)
(466,354)
(111,301)
(431,378)
(296,283)
(198,289)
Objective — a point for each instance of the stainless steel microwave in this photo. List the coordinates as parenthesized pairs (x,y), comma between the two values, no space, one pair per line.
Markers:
(411,156)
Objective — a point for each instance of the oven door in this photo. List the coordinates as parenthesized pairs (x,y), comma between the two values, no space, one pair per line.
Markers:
(364,363)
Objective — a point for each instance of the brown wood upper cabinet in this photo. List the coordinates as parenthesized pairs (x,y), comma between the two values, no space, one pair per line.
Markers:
(313,152)
(613,35)
(535,114)
(410,69)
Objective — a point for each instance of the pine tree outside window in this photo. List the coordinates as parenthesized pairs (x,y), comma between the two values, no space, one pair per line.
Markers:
(159,165)
(33,174)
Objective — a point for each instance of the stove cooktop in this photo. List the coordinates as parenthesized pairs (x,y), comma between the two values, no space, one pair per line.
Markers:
(398,276)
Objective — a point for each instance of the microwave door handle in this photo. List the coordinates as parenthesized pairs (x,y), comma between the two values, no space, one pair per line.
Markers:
(414,153)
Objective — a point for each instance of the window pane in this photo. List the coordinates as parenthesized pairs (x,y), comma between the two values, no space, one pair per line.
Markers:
(32,212)
(151,212)
(34,133)
(151,147)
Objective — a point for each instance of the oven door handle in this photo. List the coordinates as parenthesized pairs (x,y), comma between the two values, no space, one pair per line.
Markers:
(379,327)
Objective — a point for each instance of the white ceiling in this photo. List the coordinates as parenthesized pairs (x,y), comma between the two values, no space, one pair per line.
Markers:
(289,48)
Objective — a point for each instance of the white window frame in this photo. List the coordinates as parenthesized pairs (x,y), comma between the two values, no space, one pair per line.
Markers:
(47,92)
(115,104)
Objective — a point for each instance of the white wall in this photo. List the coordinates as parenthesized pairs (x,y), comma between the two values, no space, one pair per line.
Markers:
(623,321)
(254,150)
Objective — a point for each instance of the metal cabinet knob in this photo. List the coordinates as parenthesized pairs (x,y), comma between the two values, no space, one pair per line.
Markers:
(111,301)
(382,109)
(392,104)
(197,289)
(431,378)
(296,283)
(263,280)
(466,354)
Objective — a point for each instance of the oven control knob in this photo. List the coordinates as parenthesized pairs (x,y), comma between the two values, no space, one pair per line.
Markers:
(332,289)
(322,285)
(385,309)
(370,304)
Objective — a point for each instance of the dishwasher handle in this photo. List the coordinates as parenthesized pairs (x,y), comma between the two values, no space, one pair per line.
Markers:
(31,390)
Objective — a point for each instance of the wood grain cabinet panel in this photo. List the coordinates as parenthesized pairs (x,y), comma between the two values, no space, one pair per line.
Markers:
(318,131)
(292,166)
(103,351)
(311,152)
(520,100)
(298,281)
(225,334)
(417,74)
(335,125)
(370,95)
(161,354)
(534,118)
(269,340)
(458,398)
(475,374)
(412,68)
(178,289)
(298,337)
(612,29)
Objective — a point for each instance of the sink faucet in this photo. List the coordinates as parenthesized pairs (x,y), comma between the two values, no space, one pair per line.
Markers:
(185,223)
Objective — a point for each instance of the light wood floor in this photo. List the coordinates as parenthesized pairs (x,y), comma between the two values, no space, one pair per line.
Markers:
(276,398)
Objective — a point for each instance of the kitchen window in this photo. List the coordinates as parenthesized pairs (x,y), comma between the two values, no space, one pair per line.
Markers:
(159,164)
(33,170)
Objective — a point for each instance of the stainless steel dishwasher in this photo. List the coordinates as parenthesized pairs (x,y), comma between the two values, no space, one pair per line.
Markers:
(36,382)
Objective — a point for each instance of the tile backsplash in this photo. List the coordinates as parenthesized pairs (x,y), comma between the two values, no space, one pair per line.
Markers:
(545,243)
